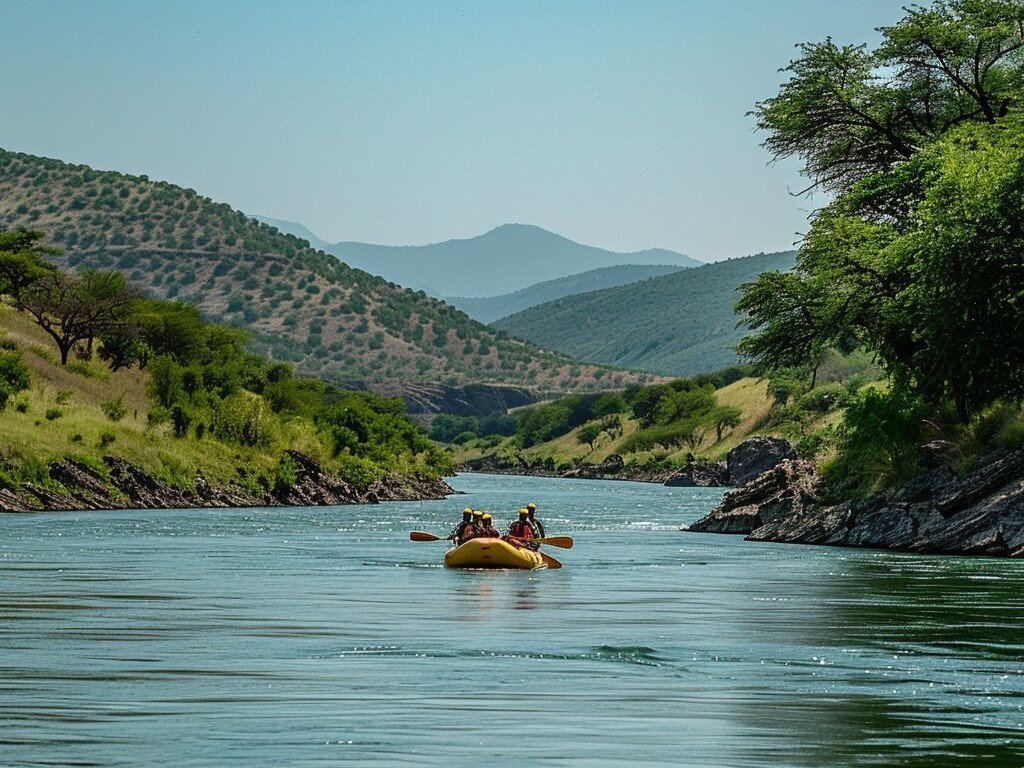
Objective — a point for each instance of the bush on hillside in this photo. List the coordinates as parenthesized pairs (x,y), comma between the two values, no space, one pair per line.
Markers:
(14,376)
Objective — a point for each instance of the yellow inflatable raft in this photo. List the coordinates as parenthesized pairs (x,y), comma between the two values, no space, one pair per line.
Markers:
(491,553)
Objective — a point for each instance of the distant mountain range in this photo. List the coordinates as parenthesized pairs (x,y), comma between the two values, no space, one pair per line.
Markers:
(299,305)
(677,324)
(508,258)
(487,309)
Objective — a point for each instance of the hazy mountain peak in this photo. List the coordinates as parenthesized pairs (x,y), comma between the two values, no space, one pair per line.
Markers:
(509,257)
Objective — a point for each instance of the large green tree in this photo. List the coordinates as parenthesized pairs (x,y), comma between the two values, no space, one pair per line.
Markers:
(918,257)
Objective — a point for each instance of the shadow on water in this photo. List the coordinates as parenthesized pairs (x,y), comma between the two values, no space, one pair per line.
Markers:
(922,664)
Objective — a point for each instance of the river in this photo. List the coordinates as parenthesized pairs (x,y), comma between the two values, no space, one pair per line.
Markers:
(323,636)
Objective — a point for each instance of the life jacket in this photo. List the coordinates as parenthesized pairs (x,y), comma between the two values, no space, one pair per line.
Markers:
(537,527)
(490,532)
(520,529)
(464,531)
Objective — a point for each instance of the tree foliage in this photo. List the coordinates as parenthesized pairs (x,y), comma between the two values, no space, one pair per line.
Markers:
(918,260)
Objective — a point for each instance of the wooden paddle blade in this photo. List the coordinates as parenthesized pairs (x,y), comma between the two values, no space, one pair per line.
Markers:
(565,542)
(549,561)
(422,536)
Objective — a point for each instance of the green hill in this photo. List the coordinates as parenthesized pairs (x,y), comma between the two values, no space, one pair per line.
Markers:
(301,306)
(487,309)
(678,324)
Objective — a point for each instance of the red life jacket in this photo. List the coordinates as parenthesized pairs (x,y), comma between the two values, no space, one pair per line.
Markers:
(520,529)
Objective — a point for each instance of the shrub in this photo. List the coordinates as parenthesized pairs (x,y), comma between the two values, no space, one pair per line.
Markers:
(114,409)
(14,376)
(877,443)
(52,414)
(106,438)
(825,398)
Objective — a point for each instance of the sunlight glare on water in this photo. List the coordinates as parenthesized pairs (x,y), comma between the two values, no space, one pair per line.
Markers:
(320,636)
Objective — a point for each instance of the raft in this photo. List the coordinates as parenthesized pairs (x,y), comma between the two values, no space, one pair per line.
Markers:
(491,553)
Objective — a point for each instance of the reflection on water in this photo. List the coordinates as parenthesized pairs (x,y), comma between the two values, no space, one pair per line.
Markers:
(323,636)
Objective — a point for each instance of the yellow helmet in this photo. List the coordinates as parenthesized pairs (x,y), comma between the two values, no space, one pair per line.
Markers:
(477,513)
(487,516)
(531,507)
(524,512)
(467,511)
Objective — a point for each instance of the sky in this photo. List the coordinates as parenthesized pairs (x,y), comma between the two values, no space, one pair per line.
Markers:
(616,124)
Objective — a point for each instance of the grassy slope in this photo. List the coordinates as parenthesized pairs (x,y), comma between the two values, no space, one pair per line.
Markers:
(490,308)
(303,306)
(749,395)
(31,440)
(677,325)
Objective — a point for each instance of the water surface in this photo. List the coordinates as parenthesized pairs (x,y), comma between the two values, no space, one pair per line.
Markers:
(323,636)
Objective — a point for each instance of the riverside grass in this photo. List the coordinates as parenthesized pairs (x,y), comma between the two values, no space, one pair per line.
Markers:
(62,415)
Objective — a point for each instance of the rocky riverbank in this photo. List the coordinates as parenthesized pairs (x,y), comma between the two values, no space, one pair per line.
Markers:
(125,486)
(980,513)
(747,460)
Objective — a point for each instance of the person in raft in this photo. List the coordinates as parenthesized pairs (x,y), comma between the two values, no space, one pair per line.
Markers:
(464,530)
(519,530)
(488,530)
(478,524)
(535,525)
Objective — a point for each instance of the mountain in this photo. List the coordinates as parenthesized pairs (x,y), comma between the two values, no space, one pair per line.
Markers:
(294,228)
(487,309)
(300,305)
(508,258)
(677,324)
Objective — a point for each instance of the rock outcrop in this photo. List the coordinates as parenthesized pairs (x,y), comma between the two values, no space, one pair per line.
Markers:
(127,487)
(785,489)
(699,474)
(938,512)
(754,456)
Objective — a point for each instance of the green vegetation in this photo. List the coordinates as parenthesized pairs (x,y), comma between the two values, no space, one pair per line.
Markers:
(207,405)
(678,324)
(917,260)
(488,309)
(298,305)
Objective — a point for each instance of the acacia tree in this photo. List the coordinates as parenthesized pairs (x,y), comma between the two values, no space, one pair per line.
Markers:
(899,261)
(75,308)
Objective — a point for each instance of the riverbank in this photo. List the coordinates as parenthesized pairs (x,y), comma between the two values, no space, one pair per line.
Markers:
(745,461)
(77,487)
(941,512)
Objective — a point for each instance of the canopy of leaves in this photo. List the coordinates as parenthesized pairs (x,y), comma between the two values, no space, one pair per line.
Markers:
(919,259)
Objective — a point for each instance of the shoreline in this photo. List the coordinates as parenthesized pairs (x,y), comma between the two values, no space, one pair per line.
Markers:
(129,487)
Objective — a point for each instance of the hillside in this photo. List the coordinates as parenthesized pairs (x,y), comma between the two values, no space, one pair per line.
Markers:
(301,306)
(81,434)
(487,309)
(508,258)
(677,324)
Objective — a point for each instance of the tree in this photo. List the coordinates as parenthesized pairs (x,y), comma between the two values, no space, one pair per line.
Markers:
(850,112)
(588,433)
(74,308)
(22,260)
(917,259)
(725,417)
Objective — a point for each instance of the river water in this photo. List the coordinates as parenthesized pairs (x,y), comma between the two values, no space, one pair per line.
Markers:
(323,636)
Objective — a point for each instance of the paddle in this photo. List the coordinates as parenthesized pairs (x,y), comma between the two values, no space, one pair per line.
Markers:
(549,561)
(421,536)
(564,542)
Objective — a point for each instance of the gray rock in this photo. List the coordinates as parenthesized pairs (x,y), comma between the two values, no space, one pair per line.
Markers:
(786,489)
(754,456)
(698,474)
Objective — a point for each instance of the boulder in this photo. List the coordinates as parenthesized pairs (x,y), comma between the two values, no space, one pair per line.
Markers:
(754,456)
(698,474)
(786,489)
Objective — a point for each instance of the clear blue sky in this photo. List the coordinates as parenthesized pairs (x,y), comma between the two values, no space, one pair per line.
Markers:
(616,124)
